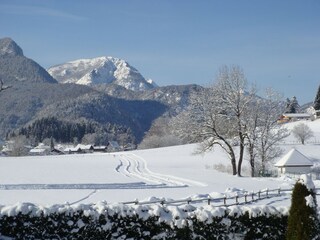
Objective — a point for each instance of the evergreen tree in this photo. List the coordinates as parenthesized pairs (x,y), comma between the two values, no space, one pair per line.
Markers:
(51,143)
(67,132)
(288,102)
(303,223)
(292,106)
(295,107)
(317,100)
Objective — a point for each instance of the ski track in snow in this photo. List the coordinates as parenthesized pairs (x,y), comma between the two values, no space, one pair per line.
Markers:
(80,186)
(132,165)
(84,198)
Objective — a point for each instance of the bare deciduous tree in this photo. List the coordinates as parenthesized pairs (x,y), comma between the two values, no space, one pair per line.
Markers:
(263,131)
(160,135)
(19,146)
(155,141)
(302,132)
(230,112)
(217,115)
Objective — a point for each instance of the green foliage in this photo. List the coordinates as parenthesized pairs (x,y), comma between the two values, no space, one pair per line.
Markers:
(317,100)
(303,222)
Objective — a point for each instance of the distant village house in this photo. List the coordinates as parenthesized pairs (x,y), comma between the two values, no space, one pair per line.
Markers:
(294,162)
(290,117)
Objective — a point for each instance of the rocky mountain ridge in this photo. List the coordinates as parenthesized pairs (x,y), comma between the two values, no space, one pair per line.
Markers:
(100,70)
(9,47)
(16,68)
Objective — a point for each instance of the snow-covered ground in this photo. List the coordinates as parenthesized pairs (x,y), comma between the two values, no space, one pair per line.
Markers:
(170,173)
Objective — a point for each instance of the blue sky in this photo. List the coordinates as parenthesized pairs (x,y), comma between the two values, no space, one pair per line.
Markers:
(277,43)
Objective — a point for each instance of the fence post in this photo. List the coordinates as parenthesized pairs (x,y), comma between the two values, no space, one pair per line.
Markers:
(237,202)
(267,193)
(279,189)
(209,200)
(252,195)
(245,197)
(225,200)
(259,195)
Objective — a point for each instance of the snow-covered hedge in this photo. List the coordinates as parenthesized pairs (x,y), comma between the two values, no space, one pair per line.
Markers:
(102,221)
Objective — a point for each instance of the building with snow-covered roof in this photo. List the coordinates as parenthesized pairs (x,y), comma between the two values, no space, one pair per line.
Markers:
(100,148)
(294,162)
(288,117)
(80,148)
(41,149)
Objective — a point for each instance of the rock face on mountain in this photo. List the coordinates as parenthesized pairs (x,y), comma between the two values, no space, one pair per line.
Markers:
(101,70)
(9,48)
(16,68)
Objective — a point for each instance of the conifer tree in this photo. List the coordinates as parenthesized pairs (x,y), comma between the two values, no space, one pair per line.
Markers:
(303,223)
(51,143)
(317,100)
(292,106)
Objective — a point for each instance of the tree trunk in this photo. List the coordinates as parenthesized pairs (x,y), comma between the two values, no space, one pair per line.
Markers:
(252,169)
(263,162)
(228,148)
(252,159)
(240,154)
(234,166)
(240,159)
(233,163)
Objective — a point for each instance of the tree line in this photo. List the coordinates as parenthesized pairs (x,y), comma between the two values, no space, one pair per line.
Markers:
(73,132)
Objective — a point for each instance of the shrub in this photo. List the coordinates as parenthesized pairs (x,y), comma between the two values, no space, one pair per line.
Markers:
(303,222)
(102,221)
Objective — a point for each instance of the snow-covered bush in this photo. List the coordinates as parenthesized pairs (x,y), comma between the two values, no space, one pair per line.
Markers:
(102,221)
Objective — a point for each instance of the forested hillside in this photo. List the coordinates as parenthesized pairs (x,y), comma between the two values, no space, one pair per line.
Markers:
(35,105)
(75,132)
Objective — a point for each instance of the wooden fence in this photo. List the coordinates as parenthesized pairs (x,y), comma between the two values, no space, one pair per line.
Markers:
(238,199)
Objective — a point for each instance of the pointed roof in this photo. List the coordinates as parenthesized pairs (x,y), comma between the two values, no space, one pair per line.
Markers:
(294,158)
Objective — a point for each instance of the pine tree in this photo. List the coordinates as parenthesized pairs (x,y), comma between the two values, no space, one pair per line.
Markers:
(288,102)
(303,222)
(292,106)
(51,143)
(317,100)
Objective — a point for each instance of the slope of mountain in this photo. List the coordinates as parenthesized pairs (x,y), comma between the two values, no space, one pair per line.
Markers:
(33,96)
(9,48)
(16,68)
(101,70)
(103,109)
(175,97)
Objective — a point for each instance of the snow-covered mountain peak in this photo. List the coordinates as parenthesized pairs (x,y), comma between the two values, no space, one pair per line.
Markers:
(100,70)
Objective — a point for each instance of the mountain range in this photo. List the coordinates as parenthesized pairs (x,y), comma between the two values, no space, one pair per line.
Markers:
(103,91)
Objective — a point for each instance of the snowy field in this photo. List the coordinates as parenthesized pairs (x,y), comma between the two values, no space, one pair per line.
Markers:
(165,173)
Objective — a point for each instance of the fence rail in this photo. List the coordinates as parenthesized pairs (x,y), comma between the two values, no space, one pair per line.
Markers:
(241,199)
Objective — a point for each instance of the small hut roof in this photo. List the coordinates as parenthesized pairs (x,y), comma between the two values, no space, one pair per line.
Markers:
(294,158)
